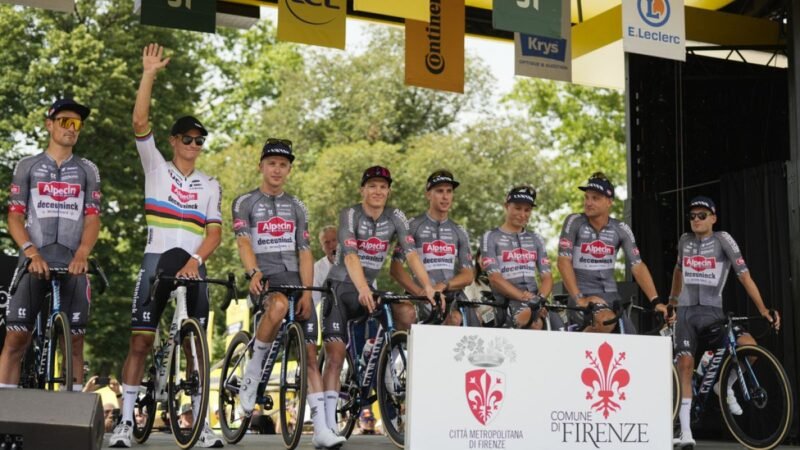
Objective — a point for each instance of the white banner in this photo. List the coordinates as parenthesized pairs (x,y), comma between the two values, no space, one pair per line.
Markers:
(544,57)
(481,388)
(654,27)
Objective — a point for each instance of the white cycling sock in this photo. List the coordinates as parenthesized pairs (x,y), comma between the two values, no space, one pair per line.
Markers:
(316,401)
(196,401)
(685,416)
(8,386)
(254,366)
(129,394)
(331,398)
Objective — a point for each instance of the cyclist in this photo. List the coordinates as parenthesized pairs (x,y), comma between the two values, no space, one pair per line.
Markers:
(182,209)
(512,255)
(443,247)
(54,217)
(705,257)
(271,229)
(365,232)
(588,247)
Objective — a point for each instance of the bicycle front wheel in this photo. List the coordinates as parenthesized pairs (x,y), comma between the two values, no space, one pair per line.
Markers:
(392,372)
(231,419)
(676,392)
(349,403)
(59,355)
(145,409)
(762,392)
(293,384)
(187,384)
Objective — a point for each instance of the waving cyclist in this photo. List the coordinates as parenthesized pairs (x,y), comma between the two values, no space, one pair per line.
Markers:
(443,246)
(365,233)
(705,257)
(182,208)
(588,248)
(54,218)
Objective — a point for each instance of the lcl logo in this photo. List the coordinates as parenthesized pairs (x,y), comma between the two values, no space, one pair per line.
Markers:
(313,12)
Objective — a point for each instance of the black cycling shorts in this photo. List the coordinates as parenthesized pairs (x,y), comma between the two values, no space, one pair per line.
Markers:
(339,309)
(577,319)
(293,278)
(701,325)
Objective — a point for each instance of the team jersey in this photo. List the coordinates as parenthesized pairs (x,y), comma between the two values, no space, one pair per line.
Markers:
(515,256)
(704,265)
(443,247)
(593,253)
(277,226)
(178,208)
(369,239)
(55,199)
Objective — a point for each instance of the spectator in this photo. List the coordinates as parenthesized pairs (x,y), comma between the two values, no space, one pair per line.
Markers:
(327,239)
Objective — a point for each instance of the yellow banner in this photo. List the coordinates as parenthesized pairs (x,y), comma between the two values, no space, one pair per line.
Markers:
(435,49)
(407,9)
(315,22)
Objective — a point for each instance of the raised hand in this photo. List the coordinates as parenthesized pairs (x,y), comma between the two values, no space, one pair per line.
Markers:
(153,58)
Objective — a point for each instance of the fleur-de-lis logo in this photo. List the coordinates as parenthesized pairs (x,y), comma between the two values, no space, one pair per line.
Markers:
(484,389)
(605,378)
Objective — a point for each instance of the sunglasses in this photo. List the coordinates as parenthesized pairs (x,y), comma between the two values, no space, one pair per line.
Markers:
(199,140)
(700,215)
(285,142)
(69,122)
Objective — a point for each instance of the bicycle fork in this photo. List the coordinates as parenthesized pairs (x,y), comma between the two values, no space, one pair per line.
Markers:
(47,362)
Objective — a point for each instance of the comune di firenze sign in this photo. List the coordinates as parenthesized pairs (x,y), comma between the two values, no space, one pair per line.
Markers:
(480,388)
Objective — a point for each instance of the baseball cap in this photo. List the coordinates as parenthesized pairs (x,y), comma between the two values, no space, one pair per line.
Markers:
(702,201)
(277,147)
(376,172)
(522,194)
(598,182)
(187,123)
(68,104)
(439,177)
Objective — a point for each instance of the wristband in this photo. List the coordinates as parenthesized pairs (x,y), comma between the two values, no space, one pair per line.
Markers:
(251,273)
(198,258)
(26,245)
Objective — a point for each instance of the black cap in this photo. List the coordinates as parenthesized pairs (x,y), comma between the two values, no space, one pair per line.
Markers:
(703,202)
(376,172)
(598,182)
(522,194)
(68,104)
(277,147)
(440,177)
(186,123)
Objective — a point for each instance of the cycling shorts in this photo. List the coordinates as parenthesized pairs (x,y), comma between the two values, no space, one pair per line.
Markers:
(578,321)
(701,324)
(310,326)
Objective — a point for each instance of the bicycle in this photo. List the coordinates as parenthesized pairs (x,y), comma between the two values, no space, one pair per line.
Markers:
(173,373)
(47,363)
(358,374)
(487,299)
(762,390)
(292,383)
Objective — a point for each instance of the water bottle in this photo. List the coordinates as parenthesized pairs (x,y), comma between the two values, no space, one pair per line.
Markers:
(704,361)
(365,353)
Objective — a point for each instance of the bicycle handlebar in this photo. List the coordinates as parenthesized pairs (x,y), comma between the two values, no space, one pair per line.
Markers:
(229,283)
(591,308)
(284,288)
(60,271)
(487,299)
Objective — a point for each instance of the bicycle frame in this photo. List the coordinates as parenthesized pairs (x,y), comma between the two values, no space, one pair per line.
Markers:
(165,349)
(41,334)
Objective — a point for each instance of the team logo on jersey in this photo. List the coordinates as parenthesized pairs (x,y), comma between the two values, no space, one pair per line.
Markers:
(183,196)
(486,261)
(350,243)
(276,226)
(700,263)
(565,243)
(96,195)
(605,378)
(238,224)
(373,245)
(597,248)
(14,189)
(519,255)
(59,190)
(410,239)
(740,262)
(438,248)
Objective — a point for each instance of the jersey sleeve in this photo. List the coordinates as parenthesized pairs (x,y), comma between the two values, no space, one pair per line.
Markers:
(681,244)
(489,255)
(92,196)
(404,239)
(213,210)
(301,232)
(148,152)
(347,231)
(731,250)
(464,252)
(542,261)
(569,234)
(20,189)
(398,254)
(240,213)
(628,243)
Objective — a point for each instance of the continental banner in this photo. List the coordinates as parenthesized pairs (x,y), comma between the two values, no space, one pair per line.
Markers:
(543,57)
(536,17)
(435,49)
(316,23)
(654,27)
(407,9)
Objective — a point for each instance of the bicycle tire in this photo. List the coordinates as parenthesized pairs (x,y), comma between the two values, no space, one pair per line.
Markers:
(349,404)
(195,380)
(146,403)
(294,385)
(233,423)
(28,378)
(59,377)
(676,392)
(393,368)
(758,428)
